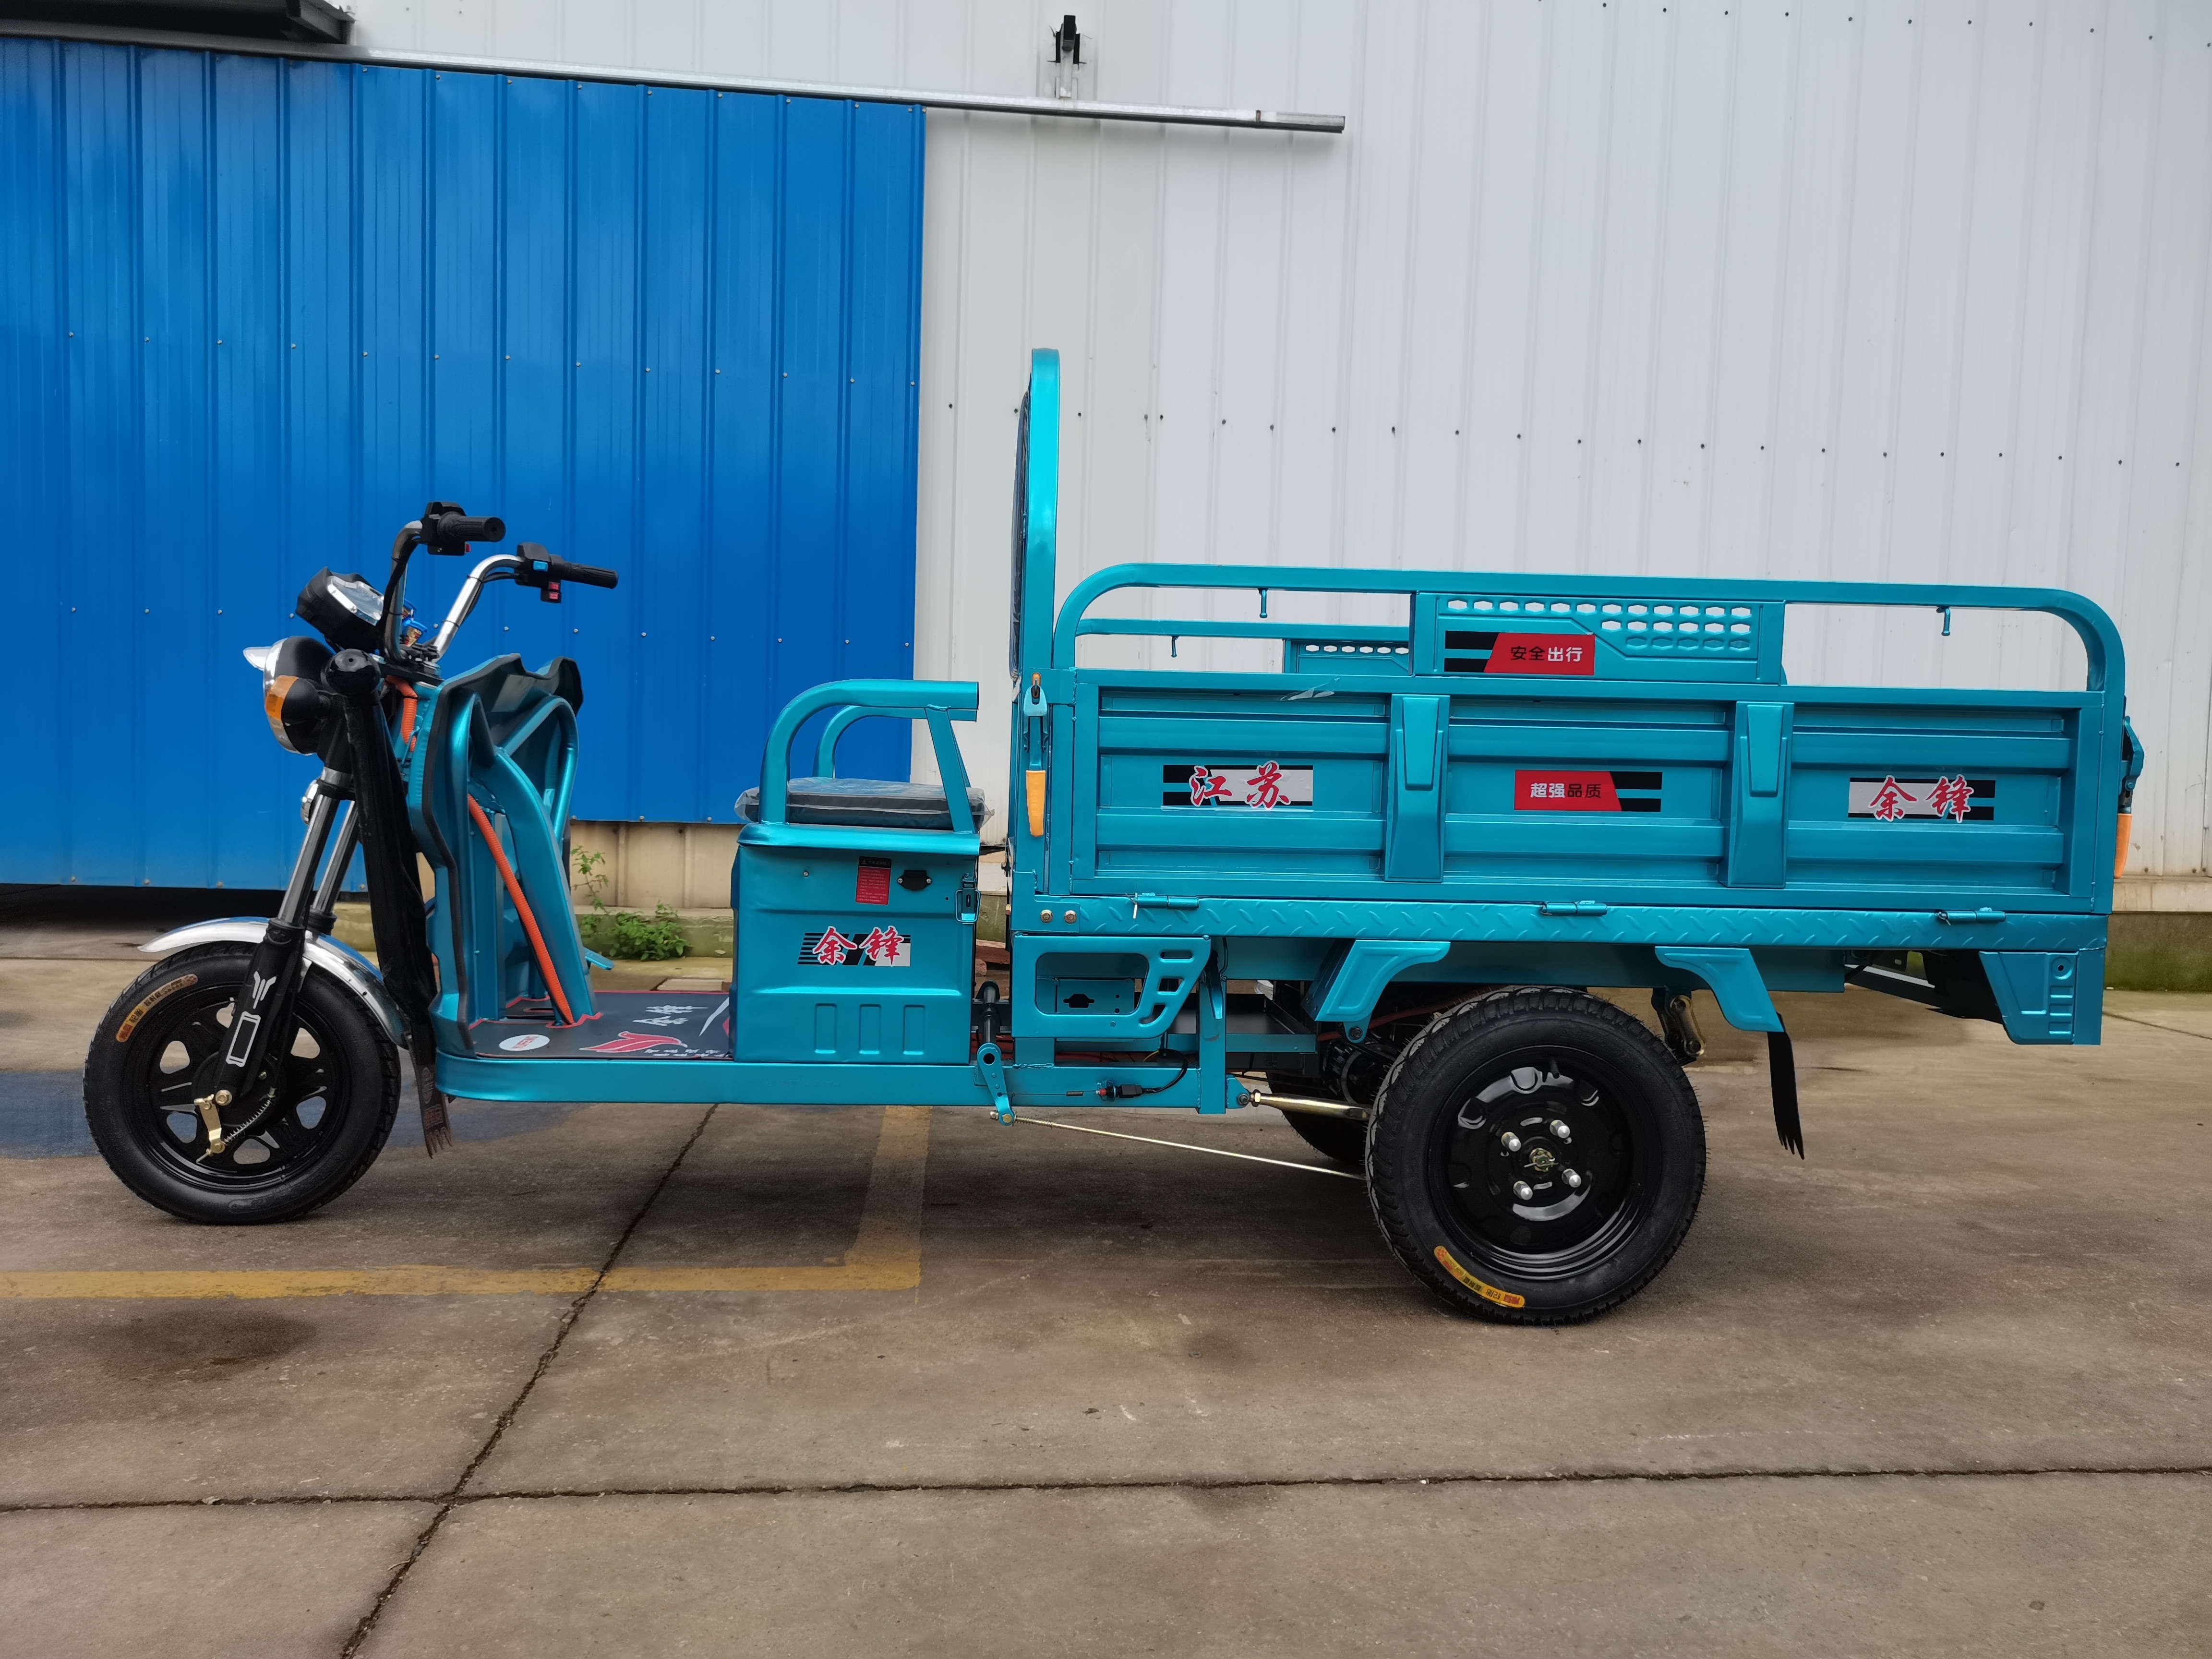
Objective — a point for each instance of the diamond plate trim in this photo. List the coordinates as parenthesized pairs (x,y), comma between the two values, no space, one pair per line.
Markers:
(1817,930)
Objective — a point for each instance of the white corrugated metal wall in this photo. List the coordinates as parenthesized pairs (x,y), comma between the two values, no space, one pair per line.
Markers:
(1859,288)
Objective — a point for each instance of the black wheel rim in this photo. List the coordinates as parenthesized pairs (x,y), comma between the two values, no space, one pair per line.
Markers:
(298,1109)
(1539,1164)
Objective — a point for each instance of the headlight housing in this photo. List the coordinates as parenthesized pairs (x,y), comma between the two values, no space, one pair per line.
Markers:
(302,716)
(346,611)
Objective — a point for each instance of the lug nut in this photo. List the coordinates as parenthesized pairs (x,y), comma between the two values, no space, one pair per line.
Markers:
(1522,1191)
(1509,1141)
(1574,1181)
(1559,1127)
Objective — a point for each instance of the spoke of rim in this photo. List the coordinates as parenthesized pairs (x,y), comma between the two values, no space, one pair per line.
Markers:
(201,1037)
(177,1095)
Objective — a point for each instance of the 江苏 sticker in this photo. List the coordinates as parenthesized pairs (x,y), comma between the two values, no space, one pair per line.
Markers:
(1262,787)
(876,947)
(1962,799)
(1586,792)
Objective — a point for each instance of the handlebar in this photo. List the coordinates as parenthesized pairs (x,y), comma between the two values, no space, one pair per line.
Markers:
(530,566)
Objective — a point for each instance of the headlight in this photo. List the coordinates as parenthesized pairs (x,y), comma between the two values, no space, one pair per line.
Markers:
(301,714)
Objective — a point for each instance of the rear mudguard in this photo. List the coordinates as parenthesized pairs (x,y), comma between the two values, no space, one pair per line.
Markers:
(341,962)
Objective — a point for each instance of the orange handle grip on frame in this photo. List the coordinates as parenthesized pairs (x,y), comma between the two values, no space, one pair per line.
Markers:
(522,908)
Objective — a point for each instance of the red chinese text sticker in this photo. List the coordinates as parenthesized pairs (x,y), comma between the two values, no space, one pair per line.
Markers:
(1565,792)
(1542,653)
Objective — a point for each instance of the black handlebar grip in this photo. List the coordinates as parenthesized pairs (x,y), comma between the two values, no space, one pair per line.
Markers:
(451,532)
(591,575)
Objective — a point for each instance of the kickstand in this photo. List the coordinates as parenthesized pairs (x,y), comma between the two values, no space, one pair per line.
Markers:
(993,1071)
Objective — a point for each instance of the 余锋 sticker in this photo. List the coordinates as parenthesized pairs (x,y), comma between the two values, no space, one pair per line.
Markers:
(878,947)
(1886,800)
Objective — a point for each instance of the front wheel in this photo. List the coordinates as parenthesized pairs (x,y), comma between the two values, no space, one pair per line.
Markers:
(1536,1157)
(326,1104)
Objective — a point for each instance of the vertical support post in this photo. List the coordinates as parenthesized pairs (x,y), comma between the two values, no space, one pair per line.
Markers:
(1758,796)
(1213,1037)
(1413,835)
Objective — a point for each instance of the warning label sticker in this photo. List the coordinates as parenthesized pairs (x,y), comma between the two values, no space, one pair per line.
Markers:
(873,885)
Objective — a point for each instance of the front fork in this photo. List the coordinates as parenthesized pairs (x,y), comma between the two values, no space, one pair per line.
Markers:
(261,1014)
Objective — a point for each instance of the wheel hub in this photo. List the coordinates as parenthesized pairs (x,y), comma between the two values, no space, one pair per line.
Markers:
(219,1140)
(1538,1162)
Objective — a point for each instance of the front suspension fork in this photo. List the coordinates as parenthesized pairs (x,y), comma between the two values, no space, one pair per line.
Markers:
(261,1014)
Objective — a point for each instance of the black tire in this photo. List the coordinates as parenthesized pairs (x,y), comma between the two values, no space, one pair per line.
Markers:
(329,1111)
(1341,1140)
(1475,1105)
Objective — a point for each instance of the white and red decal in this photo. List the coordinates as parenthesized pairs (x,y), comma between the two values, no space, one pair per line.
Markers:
(876,947)
(1262,787)
(1888,799)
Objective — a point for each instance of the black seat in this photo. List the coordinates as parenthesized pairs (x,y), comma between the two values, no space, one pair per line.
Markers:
(864,803)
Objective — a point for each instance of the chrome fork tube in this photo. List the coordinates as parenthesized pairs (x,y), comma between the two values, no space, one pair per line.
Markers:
(342,850)
(322,806)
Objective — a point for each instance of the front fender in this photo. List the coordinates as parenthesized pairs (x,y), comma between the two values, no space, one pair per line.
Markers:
(341,962)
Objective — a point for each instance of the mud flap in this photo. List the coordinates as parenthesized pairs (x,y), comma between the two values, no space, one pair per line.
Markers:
(1782,1070)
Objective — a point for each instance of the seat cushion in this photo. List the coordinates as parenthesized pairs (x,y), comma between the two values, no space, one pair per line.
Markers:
(870,803)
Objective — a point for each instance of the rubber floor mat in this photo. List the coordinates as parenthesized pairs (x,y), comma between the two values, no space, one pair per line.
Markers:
(628,1025)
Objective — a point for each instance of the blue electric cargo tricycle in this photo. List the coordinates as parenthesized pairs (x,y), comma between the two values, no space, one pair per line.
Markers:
(1367,887)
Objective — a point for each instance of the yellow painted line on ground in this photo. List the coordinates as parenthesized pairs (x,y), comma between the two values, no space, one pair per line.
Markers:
(886,1255)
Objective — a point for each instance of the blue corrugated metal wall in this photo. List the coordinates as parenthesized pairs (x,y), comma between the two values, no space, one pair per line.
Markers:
(253,314)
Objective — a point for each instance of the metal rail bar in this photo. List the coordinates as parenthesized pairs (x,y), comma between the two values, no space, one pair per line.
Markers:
(1176,115)
(2099,638)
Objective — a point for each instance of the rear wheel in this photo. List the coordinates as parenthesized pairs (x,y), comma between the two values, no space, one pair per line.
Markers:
(326,1104)
(1536,1157)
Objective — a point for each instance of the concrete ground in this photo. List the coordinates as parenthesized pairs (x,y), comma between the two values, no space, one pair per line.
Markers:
(635,1379)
